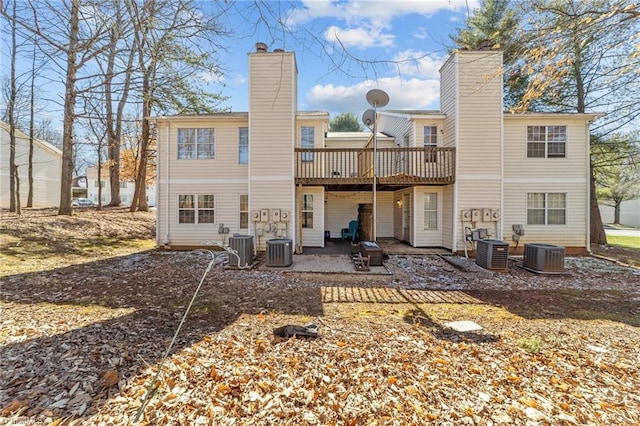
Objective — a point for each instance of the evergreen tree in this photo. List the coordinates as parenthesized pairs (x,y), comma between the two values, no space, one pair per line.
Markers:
(345,122)
(495,26)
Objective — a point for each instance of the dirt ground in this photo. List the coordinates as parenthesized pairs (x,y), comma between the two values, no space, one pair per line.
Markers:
(89,309)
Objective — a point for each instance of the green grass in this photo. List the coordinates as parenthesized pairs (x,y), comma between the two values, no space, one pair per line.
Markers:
(624,241)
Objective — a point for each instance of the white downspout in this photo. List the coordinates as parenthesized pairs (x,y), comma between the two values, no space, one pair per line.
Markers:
(588,195)
(165,240)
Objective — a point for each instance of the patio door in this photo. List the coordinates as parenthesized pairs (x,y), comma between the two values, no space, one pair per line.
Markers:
(406,217)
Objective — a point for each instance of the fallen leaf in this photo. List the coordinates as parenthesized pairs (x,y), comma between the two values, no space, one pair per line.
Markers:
(110,378)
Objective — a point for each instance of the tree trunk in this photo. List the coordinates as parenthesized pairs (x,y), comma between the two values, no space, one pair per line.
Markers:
(616,212)
(32,127)
(598,236)
(66,177)
(113,140)
(13,168)
(18,204)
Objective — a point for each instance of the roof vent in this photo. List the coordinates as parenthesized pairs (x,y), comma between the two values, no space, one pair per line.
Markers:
(278,50)
(261,47)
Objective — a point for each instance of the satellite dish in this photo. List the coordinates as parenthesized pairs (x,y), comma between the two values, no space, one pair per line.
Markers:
(377,98)
(369,117)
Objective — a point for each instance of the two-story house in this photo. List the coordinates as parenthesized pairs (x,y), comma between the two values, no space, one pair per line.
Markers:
(127,189)
(47,168)
(442,178)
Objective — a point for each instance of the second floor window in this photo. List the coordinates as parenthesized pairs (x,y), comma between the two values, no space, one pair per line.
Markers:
(546,141)
(243,145)
(99,184)
(307,140)
(430,136)
(430,141)
(196,144)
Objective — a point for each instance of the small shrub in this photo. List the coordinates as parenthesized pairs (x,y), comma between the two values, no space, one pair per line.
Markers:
(530,344)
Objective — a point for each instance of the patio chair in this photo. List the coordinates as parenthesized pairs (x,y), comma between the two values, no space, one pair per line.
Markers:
(351,231)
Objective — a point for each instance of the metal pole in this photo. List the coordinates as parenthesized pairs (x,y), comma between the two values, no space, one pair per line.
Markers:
(375,171)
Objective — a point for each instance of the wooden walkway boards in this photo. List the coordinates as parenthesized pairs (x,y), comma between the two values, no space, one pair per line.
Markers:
(394,295)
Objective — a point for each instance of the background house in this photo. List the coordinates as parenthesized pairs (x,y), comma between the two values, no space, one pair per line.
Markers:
(126,188)
(442,178)
(629,213)
(47,167)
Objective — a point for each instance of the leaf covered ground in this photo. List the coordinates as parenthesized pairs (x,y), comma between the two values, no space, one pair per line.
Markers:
(85,325)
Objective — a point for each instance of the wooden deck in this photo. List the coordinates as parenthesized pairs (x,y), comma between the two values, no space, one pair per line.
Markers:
(353,168)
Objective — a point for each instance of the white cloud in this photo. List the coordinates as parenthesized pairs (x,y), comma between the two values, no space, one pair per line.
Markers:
(368,23)
(403,94)
(420,64)
(360,37)
(386,10)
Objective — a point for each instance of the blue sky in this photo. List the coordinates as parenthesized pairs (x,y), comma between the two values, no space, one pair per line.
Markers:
(369,30)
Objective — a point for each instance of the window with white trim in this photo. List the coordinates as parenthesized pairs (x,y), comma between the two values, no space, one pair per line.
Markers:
(307,210)
(546,141)
(196,144)
(546,208)
(430,136)
(307,140)
(243,145)
(196,208)
(430,141)
(431,210)
(244,211)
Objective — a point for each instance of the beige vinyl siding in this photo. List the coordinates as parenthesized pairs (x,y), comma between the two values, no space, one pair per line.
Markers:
(516,163)
(448,217)
(47,169)
(568,175)
(448,99)
(226,213)
(479,144)
(272,109)
(572,234)
(224,165)
(208,176)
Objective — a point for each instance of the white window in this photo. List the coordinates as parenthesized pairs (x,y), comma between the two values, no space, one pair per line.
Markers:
(98,183)
(243,145)
(431,211)
(307,210)
(430,141)
(123,184)
(430,136)
(307,140)
(196,144)
(546,208)
(546,141)
(244,211)
(196,209)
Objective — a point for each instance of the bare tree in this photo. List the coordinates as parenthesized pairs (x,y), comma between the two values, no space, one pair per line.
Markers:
(170,37)
(66,33)
(581,60)
(14,180)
